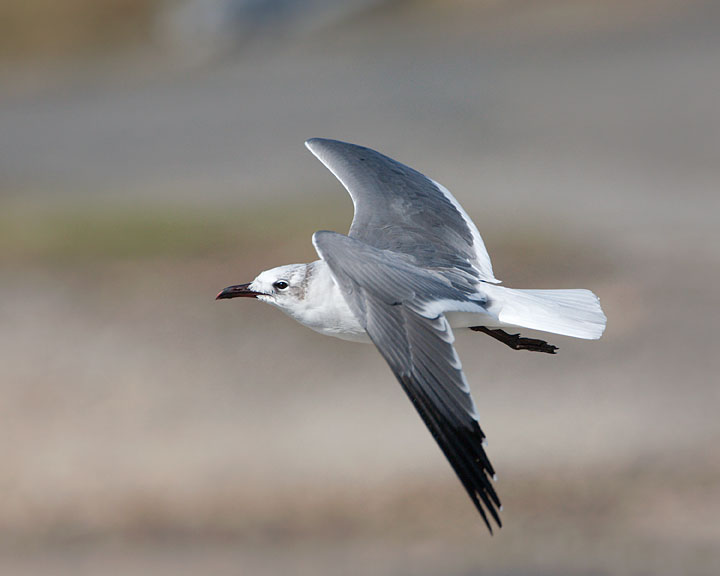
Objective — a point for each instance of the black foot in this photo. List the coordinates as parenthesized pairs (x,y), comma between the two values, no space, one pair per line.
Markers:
(517,342)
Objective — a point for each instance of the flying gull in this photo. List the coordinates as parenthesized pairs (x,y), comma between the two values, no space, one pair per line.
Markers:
(413,268)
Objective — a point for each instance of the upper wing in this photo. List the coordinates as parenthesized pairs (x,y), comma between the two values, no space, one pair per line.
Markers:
(388,296)
(399,209)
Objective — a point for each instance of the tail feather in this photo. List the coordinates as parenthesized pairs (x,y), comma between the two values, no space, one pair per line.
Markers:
(574,313)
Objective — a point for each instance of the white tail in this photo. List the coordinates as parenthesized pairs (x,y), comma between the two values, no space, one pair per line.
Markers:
(574,313)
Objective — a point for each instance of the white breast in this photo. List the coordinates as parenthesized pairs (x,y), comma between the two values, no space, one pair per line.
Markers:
(324,309)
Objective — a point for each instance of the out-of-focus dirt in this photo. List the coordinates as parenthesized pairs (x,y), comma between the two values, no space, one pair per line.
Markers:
(146,428)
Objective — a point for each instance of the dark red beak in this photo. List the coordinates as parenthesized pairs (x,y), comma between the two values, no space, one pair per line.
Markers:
(239,291)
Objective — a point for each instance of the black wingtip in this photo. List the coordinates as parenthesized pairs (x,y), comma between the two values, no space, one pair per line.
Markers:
(466,455)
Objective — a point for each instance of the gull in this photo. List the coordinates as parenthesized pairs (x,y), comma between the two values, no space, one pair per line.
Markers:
(412,268)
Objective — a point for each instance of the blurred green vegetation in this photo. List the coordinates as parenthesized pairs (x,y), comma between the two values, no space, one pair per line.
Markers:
(36,234)
(46,234)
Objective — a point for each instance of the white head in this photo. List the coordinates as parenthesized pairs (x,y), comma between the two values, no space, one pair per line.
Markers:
(284,286)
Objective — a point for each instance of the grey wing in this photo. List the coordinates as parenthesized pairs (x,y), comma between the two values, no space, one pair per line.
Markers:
(386,294)
(399,209)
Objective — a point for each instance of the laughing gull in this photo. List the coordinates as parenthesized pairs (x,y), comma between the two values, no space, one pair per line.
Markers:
(413,268)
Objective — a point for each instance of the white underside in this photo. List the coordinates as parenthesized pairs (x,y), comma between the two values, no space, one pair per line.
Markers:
(457,320)
(575,313)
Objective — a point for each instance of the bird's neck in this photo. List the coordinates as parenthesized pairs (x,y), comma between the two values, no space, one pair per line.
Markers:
(323,307)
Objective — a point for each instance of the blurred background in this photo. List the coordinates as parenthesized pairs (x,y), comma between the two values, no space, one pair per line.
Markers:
(151,153)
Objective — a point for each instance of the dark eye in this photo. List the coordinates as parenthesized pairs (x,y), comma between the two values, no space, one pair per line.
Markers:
(280,285)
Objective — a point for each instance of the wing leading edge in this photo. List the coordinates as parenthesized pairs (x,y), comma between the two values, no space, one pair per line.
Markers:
(397,208)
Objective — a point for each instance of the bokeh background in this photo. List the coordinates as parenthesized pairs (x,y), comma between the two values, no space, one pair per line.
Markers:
(151,153)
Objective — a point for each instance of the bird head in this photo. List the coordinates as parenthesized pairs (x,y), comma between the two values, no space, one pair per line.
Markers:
(283,286)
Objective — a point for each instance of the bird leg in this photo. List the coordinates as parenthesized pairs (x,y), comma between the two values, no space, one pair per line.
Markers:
(517,342)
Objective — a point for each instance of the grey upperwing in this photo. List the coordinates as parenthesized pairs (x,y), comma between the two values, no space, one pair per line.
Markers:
(397,208)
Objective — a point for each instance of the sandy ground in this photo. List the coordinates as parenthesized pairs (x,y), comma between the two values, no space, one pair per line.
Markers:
(146,429)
